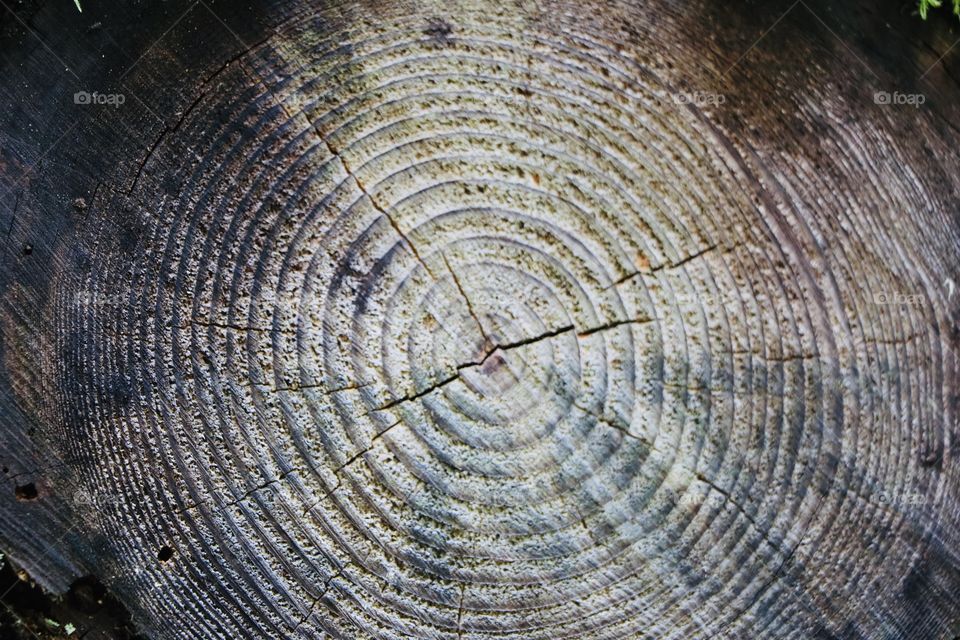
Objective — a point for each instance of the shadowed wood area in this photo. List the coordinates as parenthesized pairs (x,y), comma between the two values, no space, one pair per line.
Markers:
(472,320)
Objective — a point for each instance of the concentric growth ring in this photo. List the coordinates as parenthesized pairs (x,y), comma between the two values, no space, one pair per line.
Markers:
(471,330)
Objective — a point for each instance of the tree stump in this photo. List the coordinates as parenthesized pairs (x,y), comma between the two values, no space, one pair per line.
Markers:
(467,320)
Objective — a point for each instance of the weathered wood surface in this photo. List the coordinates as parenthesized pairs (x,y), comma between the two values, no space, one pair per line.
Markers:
(463,320)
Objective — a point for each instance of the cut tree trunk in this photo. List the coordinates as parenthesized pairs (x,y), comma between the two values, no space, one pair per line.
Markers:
(532,320)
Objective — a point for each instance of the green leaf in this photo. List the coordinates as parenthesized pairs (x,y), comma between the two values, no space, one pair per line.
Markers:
(80,9)
(924,6)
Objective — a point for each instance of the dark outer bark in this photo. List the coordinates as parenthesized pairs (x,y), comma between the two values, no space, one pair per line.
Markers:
(147,335)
